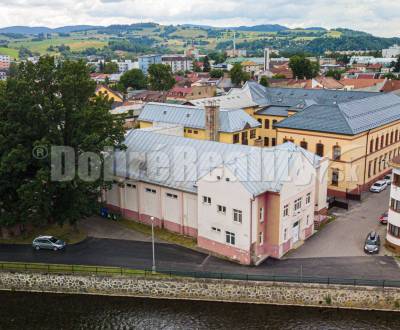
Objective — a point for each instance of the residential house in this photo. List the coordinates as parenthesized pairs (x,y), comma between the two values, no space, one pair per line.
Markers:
(248,204)
(5,62)
(114,96)
(183,94)
(178,63)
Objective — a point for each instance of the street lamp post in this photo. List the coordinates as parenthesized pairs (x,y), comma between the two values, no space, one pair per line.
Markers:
(153,268)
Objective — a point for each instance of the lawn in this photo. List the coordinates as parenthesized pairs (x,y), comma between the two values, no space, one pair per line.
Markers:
(67,233)
(9,51)
(159,233)
(41,46)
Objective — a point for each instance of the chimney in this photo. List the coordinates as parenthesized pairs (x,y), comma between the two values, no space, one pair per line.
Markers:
(266,59)
(212,121)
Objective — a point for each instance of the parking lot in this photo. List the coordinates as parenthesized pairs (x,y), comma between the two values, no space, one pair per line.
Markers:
(345,236)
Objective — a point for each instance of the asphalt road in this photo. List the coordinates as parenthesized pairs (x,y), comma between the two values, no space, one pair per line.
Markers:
(137,255)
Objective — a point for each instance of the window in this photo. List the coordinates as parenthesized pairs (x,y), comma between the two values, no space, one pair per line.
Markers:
(286,210)
(230,237)
(273,142)
(236,138)
(396,135)
(266,142)
(190,131)
(206,200)
(387,139)
(130,185)
(304,145)
(261,238)
(391,137)
(371,146)
(335,177)
(215,229)
(308,219)
(259,120)
(221,209)
(273,123)
(227,179)
(285,234)
(152,191)
(395,205)
(266,123)
(376,144)
(369,168)
(237,216)
(319,149)
(382,141)
(394,230)
(336,153)
(253,134)
(261,214)
(196,132)
(375,160)
(297,204)
(308,198)
(172,196)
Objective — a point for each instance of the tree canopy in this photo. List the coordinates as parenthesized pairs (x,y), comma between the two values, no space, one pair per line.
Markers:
(303,68)
(42,106)
(238,75)
(216,73)
(264,81)
(134,78)
(160,77)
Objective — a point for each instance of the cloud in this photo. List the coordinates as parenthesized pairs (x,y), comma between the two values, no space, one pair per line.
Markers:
(377,17)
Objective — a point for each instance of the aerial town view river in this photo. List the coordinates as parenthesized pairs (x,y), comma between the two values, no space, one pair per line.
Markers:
(52,311)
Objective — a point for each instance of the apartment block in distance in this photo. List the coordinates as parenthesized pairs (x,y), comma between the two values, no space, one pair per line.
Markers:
(146,60)
(5,62)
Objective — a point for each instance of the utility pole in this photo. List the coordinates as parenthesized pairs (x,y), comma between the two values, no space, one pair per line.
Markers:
(153,268)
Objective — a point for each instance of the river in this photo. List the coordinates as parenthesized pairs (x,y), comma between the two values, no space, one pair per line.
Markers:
(51,311)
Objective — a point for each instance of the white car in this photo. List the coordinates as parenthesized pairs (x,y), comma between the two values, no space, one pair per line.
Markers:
(378,186)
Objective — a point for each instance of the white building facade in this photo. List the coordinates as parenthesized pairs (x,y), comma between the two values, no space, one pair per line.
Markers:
(224,205)
(393,51)
(178,63)
(393,229)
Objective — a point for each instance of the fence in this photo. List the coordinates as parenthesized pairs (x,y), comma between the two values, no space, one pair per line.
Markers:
(100,270)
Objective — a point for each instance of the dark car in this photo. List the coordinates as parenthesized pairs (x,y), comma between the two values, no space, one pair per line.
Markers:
(383,219)
(372,243)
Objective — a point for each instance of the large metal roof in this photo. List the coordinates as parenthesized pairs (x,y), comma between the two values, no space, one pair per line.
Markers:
(230,120)
(149,154)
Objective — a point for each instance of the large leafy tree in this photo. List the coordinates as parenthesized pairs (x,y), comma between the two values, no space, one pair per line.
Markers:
(238,75)
(134,78)
(47,105)
(303,68)
(160,77)
(206,65)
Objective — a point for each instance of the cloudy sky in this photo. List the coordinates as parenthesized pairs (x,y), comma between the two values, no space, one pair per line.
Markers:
(379,17)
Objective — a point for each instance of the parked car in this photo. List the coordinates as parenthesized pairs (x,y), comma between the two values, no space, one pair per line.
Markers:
(48,243)
(372,243)
(388,179)
(383,219)
(378,186)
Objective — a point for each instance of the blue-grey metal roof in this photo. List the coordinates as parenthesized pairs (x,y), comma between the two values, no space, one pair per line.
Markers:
(274,111)
(230,120)
(348,118)
(149,154)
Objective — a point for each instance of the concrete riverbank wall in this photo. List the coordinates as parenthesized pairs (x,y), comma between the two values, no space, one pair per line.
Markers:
(313,295)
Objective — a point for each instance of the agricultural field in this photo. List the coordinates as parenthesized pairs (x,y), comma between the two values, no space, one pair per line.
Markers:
(9,51)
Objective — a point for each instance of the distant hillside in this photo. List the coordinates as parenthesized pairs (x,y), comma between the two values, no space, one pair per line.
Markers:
(261,28)
(36,30)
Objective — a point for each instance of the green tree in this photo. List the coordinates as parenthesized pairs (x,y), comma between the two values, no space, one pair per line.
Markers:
(397,65)
(48,105)
(110,67)
(216,73)
(206,65)
(134,78)
(160,77)
(264,81)
(303,68)
(238,75)
(336,74)
(196,67)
